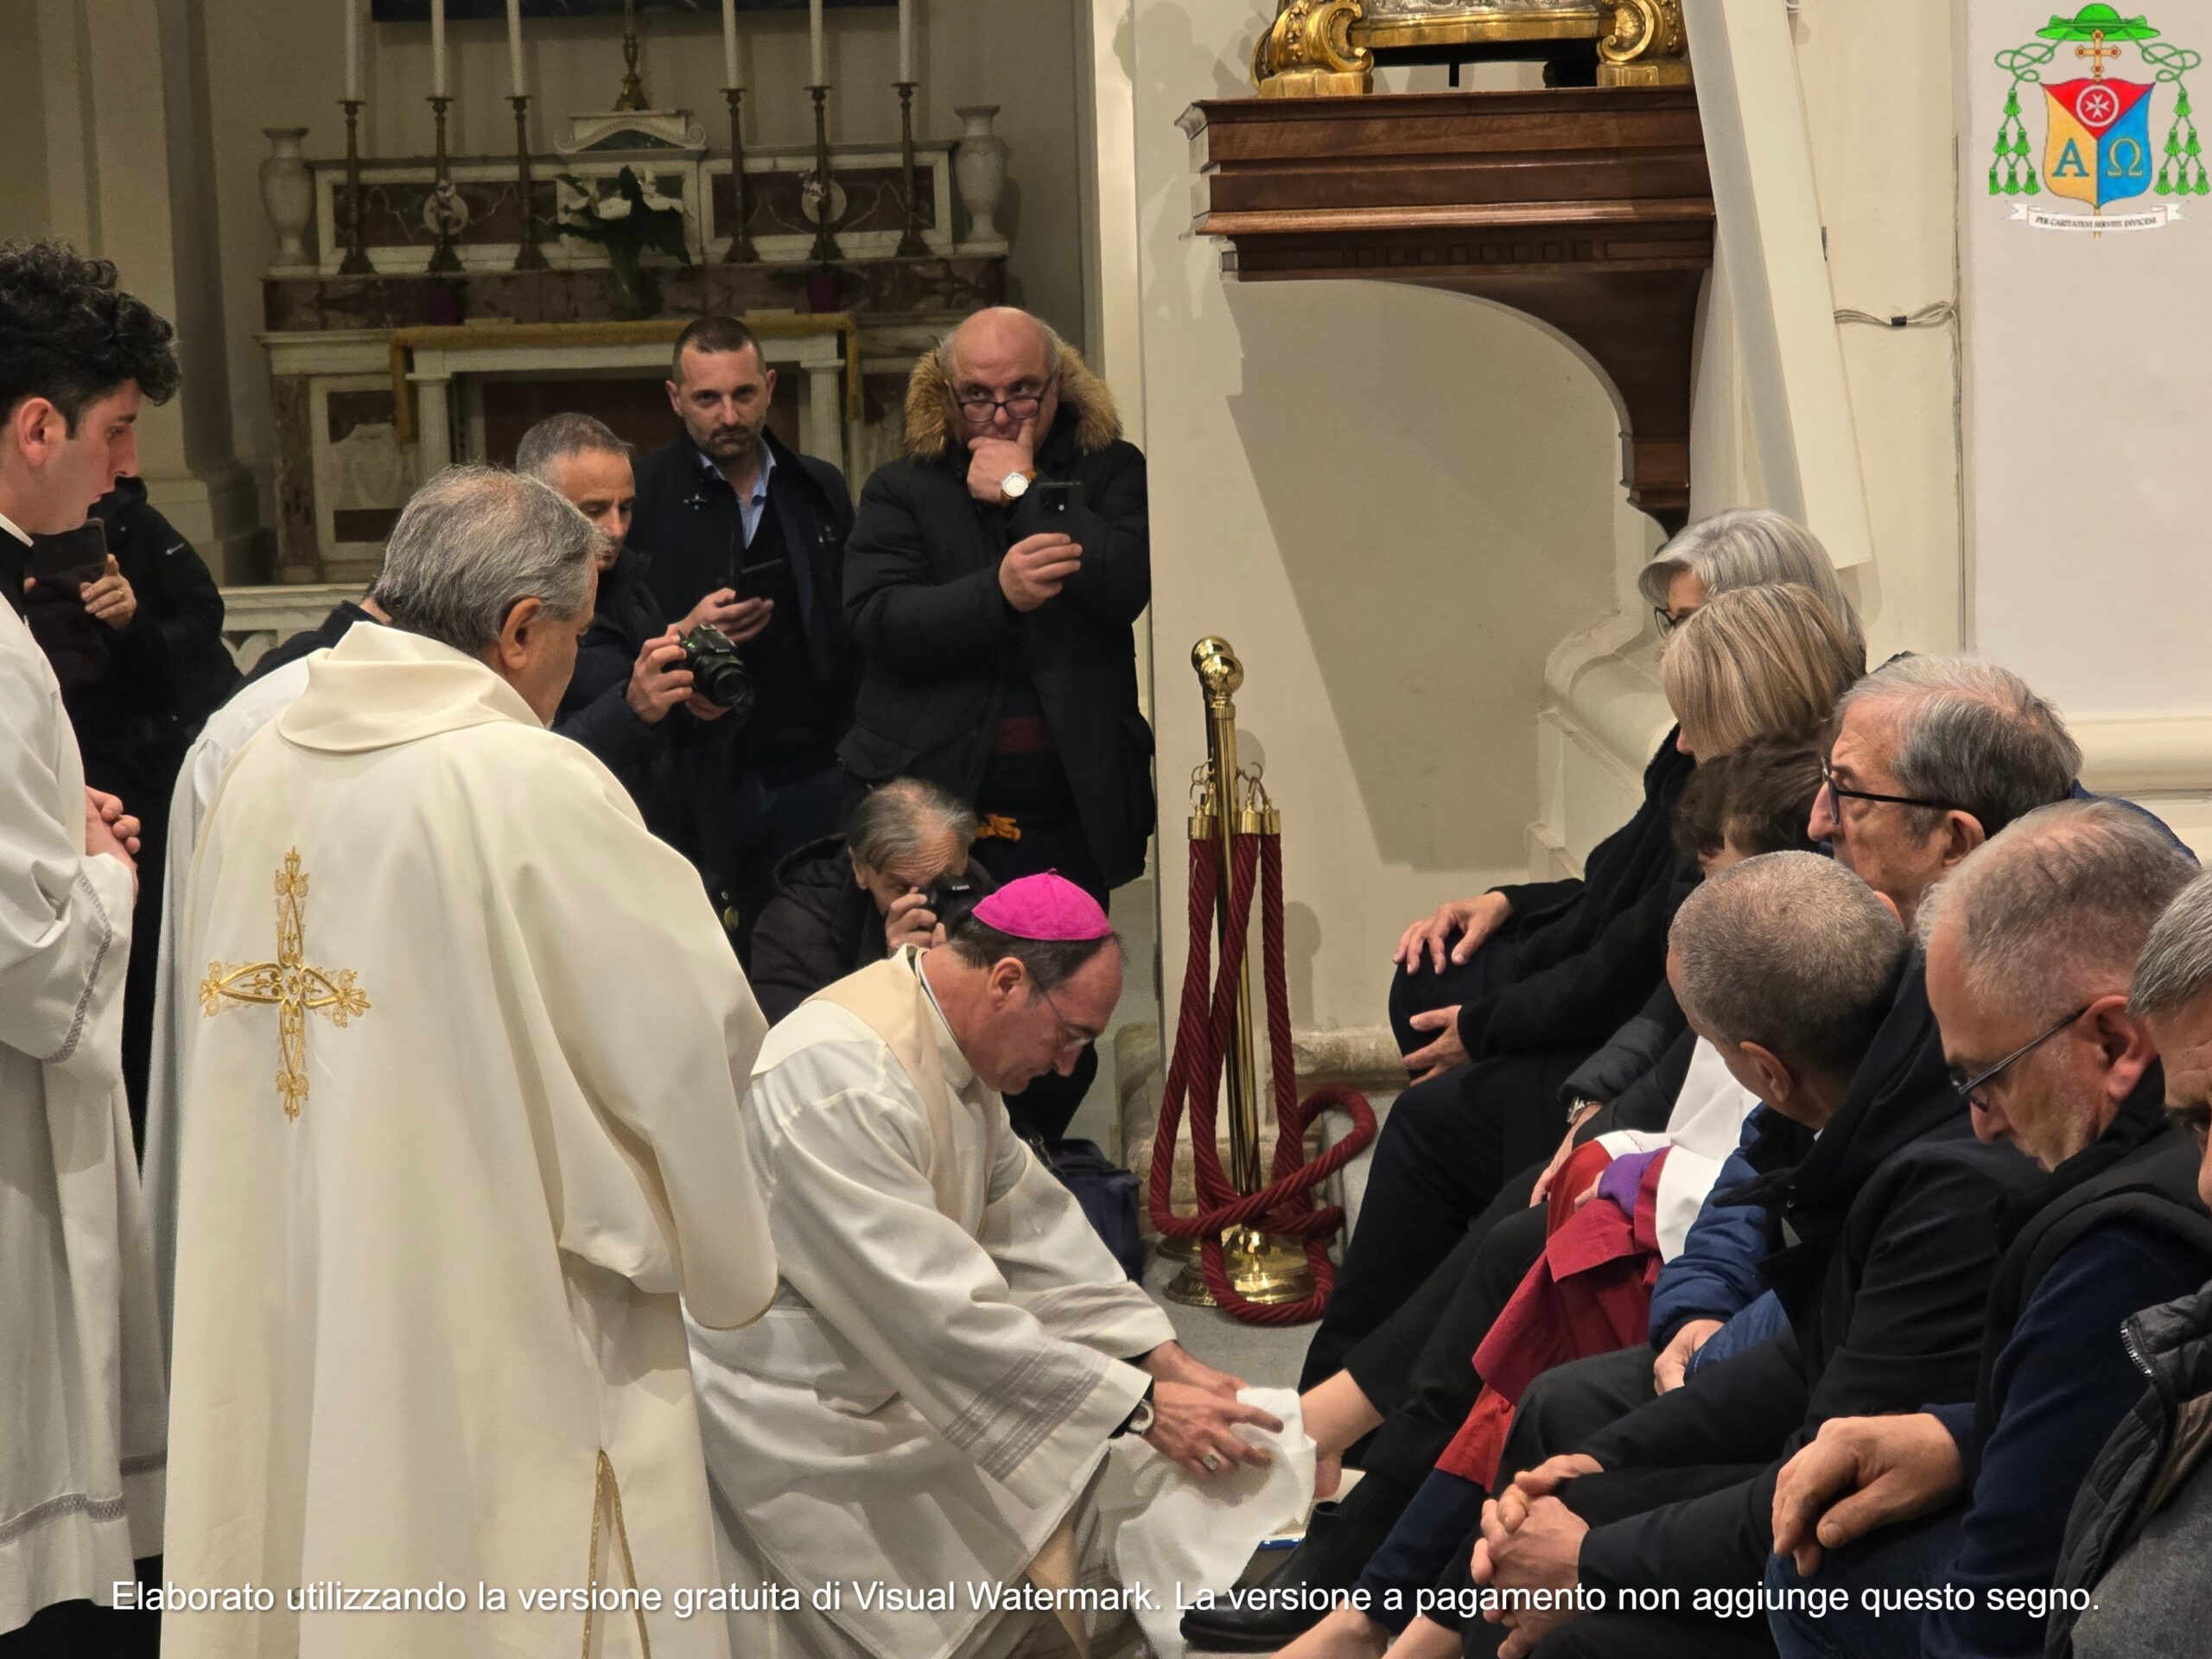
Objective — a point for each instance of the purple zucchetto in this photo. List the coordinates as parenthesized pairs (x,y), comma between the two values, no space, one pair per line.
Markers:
(1047,907)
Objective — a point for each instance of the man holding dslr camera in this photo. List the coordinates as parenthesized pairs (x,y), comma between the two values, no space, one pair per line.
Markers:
(994,572)
(743,534)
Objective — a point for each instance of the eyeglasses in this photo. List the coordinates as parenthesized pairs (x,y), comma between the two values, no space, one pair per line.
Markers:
(1981,1079)
(980,411)
(1840,793)
(1073,1038)
(1669,621)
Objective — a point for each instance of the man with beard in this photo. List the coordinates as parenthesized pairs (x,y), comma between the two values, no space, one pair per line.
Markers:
(749,534)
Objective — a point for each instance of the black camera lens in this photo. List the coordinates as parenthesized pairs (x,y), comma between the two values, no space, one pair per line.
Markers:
(717,672)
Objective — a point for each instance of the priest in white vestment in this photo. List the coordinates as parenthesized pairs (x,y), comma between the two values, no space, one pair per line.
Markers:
(951,1347)
(460,1125)
(81,1404)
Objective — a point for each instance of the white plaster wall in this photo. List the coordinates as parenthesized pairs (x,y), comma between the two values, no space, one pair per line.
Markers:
(1391,502)
(2087,417)
(23,210)
(281,63)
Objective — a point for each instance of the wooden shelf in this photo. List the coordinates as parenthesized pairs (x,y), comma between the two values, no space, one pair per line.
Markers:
(1588,209)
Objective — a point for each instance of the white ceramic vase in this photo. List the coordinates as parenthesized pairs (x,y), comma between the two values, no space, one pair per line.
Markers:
(288,193)
(979,169)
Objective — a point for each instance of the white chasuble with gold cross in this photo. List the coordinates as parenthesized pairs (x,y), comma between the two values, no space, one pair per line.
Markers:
(459,1126)
(80,1365)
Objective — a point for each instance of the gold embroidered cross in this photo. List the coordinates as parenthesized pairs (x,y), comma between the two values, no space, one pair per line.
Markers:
(296,989)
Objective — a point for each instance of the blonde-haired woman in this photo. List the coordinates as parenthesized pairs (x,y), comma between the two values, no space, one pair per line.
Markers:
(1757,663)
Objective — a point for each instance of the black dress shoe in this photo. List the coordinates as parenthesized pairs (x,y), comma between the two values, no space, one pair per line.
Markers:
(1299,1592)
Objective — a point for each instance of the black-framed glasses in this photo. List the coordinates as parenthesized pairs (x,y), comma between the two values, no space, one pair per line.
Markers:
(1023,406)
(1073,1038)
(1982,1078)
(1669,621)
(1838,792)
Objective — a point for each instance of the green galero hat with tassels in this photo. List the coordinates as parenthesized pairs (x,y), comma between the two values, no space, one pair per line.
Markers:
(2092,20)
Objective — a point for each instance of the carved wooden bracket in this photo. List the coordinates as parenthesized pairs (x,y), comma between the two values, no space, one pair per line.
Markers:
(1589,210)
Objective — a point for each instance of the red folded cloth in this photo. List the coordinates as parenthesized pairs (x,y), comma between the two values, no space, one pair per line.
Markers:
(1589,1293)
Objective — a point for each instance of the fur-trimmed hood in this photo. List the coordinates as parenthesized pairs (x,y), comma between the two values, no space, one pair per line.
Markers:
(1084,399)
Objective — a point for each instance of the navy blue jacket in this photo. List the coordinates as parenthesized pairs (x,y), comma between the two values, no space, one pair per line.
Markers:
(2117,1230)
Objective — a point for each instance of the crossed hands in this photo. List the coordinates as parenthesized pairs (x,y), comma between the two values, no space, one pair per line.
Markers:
(1532,1541)
(110,830)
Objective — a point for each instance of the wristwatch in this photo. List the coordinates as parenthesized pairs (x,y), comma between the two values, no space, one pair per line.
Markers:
(1140,1420)
(1013,487)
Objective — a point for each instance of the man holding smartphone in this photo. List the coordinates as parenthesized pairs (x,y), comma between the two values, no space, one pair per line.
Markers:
(996,574)
(740,530)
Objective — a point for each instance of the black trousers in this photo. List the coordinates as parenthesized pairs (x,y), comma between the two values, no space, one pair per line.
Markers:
(1492,968)
(1419,1367)
(80,1629)
(1569,1403)
(1444,1153)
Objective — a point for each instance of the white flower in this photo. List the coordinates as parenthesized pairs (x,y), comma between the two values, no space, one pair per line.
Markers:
(613,207)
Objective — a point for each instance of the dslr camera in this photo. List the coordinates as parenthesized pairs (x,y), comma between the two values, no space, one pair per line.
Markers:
(717,670)
(950,898)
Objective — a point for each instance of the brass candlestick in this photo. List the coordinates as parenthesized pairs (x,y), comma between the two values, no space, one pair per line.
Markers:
(634,88)
(911,244)
(442,257)
(356,262)
(528,257)
(825,250)
(741,251)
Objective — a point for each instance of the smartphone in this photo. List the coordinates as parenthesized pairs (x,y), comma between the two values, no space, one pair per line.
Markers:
(751,578)
(1057,502)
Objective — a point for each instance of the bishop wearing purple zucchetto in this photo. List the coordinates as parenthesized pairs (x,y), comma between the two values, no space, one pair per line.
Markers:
(952,1347)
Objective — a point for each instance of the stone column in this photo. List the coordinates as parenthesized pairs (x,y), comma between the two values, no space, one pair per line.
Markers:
(130,178)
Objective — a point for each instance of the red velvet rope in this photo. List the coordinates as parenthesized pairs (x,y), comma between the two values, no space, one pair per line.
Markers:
(1204,1028)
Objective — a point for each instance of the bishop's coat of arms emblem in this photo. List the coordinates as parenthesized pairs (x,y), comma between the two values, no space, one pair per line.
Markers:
(2097,147)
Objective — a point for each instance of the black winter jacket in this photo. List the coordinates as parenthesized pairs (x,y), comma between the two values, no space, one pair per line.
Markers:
(1884,1248)
(1593,950)
(595,709)
(152,683)
(821,925)
(923,598)
(2159,1449)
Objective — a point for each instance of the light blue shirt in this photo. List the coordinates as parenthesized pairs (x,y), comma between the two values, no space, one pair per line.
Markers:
(750,506)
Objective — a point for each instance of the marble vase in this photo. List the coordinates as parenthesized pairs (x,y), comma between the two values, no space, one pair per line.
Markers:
(288,193)
(979,169)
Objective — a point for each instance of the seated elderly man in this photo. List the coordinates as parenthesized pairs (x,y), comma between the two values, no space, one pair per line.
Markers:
(2031,946)
(2141,1529)
(930,1399)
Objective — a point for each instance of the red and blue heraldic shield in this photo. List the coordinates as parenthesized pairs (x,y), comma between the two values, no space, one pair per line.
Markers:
(2100,148)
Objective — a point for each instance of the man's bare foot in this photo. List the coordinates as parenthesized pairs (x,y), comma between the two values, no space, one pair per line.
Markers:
(1346,1633)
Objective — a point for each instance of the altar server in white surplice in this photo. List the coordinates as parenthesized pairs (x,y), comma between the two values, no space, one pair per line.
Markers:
(81,1404)
(459,1124)
(951,1348)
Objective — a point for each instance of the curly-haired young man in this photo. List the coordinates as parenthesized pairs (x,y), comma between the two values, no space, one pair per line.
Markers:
(82,1444)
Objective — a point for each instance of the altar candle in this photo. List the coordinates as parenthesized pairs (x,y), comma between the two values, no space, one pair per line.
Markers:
(821,42)
(437,48)
(353,50)
(514,45)
(905,40)
(729,42)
